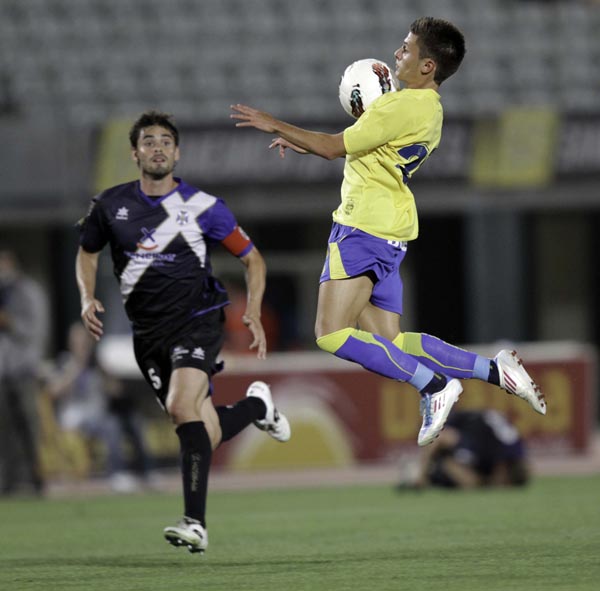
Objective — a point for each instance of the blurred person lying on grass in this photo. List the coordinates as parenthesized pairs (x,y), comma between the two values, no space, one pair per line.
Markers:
(476,449)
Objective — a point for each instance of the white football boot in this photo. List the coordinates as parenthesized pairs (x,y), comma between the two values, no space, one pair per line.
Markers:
(515,380)
(435,409)
(274,423)
(188,532)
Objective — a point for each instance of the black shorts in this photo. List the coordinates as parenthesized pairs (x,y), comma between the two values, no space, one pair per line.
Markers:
(198,345)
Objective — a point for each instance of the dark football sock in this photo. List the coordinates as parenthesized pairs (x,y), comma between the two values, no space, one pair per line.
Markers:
(196,454)
(235,418)
(438,383)
(494,377)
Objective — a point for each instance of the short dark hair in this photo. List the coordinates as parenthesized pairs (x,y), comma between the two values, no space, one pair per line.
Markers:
(148,119)
(441,41)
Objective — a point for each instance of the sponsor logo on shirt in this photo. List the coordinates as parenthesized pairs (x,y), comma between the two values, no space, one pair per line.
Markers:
(155,257)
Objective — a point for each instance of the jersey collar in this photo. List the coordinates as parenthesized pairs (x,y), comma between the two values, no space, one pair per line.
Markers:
(185,190)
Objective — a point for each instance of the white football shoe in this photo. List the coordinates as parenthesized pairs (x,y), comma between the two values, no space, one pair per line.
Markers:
(515,380)
(435,409)
(188,532)
(274,423)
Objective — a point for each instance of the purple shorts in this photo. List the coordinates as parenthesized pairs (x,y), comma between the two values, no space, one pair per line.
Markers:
(352,252)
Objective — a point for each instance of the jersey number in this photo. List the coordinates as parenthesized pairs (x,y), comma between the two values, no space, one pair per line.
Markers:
(156,381)
(416,153)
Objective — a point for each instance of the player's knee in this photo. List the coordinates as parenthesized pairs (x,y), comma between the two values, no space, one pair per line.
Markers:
(188,387)
(325,327)
(174,410)
(333,341)
(180,409)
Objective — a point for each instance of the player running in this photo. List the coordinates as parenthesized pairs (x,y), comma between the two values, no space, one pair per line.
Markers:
(161,231)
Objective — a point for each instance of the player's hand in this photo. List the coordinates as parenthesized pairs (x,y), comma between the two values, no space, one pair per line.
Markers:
(259,341)
(89,308)
(283,144)
(249,117)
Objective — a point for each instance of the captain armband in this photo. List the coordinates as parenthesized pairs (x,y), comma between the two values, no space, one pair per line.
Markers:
(238,243)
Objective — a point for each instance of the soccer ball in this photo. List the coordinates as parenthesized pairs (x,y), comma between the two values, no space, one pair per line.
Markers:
(362,82)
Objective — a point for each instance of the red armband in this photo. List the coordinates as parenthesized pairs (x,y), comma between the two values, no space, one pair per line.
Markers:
(238,243)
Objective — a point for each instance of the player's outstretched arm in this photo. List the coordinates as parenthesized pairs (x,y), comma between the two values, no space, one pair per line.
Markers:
(86,267)
(326,145)
(256,273)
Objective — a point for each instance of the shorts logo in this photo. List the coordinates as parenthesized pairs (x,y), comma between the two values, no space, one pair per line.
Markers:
(179,353)
(147,237)
(198,353)
(398,244)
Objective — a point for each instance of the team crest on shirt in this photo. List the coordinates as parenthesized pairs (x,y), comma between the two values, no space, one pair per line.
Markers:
(147,242)
(182,217)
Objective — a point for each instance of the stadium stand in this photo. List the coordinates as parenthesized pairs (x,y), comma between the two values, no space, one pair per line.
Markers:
(84,61)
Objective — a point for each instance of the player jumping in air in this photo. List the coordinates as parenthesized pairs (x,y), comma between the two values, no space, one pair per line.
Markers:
(160,232)
(360,285)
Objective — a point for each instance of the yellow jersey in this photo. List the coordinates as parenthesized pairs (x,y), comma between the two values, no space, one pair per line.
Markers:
(385,146)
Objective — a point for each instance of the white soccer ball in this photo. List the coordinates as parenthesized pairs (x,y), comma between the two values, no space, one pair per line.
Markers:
(363,82)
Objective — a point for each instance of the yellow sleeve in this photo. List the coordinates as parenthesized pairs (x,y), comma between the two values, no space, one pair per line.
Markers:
(386,119)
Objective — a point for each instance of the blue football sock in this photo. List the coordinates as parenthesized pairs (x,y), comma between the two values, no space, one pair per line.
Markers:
(379,356)
(443,357)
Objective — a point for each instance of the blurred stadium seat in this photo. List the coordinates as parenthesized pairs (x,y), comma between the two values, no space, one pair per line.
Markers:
(84,60)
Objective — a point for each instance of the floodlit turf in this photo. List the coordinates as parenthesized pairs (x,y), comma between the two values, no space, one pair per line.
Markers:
(545,537)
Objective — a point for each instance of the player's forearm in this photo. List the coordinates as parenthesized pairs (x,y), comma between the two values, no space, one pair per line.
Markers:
(256,273)
(86,268)
(326,145)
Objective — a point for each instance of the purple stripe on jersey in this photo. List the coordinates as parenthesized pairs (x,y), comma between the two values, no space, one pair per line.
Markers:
(186,191)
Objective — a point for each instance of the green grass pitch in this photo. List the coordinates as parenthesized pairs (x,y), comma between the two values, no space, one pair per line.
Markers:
(544,537)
